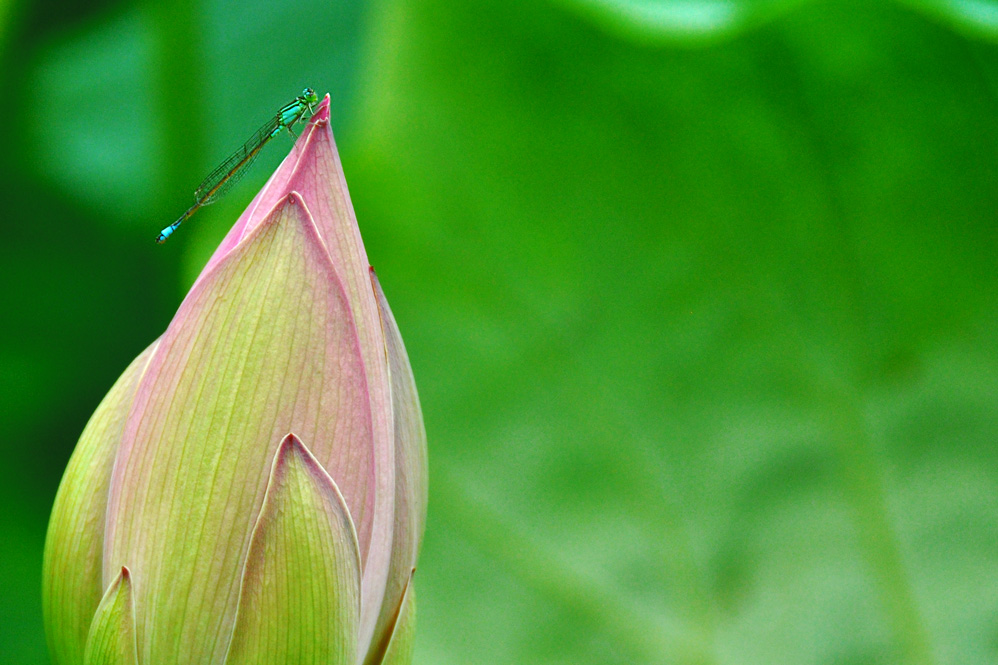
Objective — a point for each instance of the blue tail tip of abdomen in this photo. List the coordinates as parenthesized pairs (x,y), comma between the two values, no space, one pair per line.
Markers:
(164,234)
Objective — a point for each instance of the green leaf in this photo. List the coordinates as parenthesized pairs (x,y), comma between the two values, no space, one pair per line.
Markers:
(704,338)
(698,22)
(978,18)
(678,21)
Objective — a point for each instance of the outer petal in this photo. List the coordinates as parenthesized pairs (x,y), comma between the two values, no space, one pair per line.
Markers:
(74,547)
(314,169)
(410,476)
(112,635)
(300,599)
(320,175)
(403,640)
(264,344)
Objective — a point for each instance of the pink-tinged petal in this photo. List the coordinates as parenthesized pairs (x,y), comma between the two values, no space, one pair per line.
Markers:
(319,176)
(72,567)
(264,344)
(402,639)
(410,474)
(314,169)
(300,598)
(112,634)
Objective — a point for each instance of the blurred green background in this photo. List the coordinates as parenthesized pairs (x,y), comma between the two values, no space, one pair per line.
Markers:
(701,297)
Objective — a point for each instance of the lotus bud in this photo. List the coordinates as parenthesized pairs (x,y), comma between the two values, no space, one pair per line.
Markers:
(253,488)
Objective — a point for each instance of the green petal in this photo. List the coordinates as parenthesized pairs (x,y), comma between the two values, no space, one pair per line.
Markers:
(300,598)
(72,569)
(410,476)
(264,344)
(112,635)
(403,637)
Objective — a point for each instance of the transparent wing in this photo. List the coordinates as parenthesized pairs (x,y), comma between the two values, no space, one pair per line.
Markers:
(228,173)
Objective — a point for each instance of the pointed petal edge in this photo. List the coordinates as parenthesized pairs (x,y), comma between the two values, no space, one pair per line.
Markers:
(112,639)
(300,591)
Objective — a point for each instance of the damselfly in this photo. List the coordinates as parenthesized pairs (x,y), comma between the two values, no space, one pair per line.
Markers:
(232,169)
